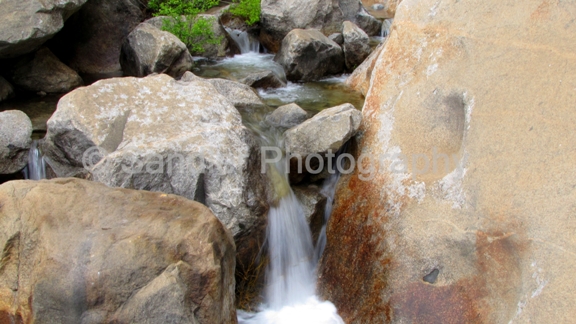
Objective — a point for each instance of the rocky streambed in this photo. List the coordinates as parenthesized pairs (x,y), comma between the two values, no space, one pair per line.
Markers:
(436,186)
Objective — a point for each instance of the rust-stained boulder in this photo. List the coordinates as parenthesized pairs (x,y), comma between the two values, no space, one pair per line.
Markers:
(471,216)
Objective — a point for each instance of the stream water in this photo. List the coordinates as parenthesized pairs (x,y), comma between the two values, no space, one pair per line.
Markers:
(290,290)
(289,294)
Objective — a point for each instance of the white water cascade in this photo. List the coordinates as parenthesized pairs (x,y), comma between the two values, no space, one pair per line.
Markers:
(291,275)
(245,42)
(36,168)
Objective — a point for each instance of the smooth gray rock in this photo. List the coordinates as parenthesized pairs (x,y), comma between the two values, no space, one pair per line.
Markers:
(327,130)
(148,50)
(6,89)
(15,140)
(46,73)
(26,24)
(159,134)
(307,55)
(238,94)
(263,80)
(356,45)
(287,116)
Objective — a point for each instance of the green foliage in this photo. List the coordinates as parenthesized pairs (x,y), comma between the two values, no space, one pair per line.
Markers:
(195,32)
(249,10)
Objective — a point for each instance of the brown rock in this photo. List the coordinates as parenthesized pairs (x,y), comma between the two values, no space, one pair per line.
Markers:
(76,251)
(489,236)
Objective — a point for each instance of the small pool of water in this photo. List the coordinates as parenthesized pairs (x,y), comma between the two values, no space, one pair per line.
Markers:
(311,96)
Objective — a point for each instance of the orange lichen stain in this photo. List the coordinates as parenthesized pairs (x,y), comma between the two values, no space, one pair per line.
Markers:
(353,271)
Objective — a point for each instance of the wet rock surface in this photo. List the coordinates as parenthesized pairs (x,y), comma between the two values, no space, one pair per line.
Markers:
(15,140)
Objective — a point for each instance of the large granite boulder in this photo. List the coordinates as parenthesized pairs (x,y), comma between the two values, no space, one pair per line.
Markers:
(148,50)
(91,41)
(326,131)
(306,55)
(6,89)
(26,24)
(159,134)
(77,251)
(469,217)
(44,72)
(15,140)
(356,45)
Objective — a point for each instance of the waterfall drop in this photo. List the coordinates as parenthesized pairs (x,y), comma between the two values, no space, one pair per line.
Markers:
(291,275)
(246,43)
(36,168)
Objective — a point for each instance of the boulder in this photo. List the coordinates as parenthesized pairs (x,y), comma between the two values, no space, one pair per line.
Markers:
(469,214)
(306,55)
(148,50)
(278,18)
(159,134)
(6,89)
(287,116)
(26,24)
(15,140)
(44,72)
(91,41)
(77,251)
(264,80)
(356,45)
(327,130)
(359,80)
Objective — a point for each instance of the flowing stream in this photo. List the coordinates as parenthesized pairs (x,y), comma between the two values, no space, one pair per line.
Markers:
(290,289)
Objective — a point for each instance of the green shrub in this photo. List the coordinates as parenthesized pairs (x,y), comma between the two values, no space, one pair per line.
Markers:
(249,10)
(195,32)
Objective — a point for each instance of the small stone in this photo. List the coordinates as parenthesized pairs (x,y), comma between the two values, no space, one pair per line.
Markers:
(15,140)
(287,116)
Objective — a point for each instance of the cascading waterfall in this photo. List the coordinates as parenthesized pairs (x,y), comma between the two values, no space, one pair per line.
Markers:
(245,42)
(36,168)
(291,276)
